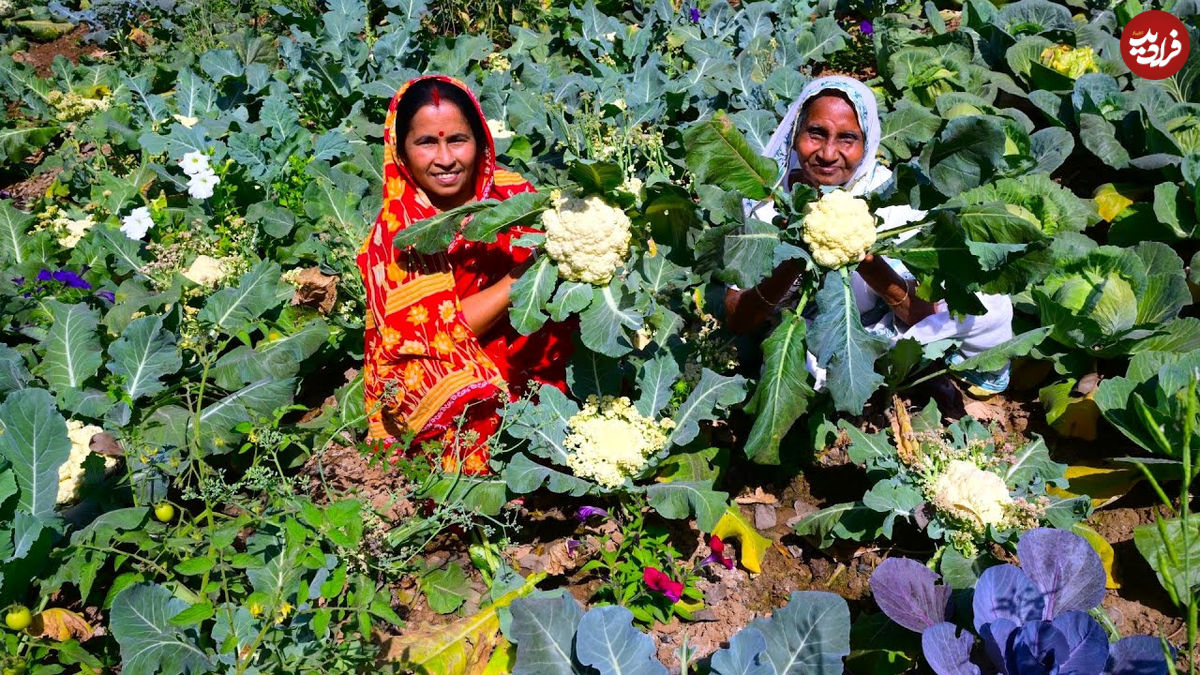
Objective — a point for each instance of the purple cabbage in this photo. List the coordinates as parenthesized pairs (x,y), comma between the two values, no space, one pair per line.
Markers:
(1032,620)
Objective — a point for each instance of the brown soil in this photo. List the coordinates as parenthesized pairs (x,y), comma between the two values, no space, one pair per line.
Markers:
(71,46)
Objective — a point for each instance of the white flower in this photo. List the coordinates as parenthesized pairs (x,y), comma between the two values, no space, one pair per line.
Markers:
(610,441)
(137,223)
(499,129)
(206,270)
(610,36)
(201,185)
(71,472)
(970,493)
(187,122)
(587,238)
(839,229)
(195,163)
(75,230)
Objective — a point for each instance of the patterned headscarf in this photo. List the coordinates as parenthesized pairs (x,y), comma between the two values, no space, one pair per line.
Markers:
(417,338)
(780,147)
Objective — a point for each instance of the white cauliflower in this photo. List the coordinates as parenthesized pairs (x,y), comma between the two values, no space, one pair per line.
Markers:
(499,129)
(206,270)
(973,494)
(610,440)
(839,229)
(75,229)
(587,238)
(71,472)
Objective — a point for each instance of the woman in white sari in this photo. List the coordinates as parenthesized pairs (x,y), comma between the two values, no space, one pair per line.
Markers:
(828,139)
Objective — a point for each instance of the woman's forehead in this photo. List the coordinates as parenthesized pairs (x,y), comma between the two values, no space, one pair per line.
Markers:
(832,110)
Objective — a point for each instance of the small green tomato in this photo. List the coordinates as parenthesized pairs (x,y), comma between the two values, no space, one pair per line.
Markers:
(164,512)
(18,617)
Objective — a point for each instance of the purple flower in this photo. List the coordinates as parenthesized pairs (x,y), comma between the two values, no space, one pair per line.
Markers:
(586,512)
(45,275)
(694,15)
(573,544)
(108,296)
(866,27)
(718,553)
(71,280)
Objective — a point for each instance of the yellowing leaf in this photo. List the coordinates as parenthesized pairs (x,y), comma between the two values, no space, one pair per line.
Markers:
(464,647)
(503,659)
(1071,415)
(60,624)
(1103,484)
(751,545)
(1103,549)
(1110,200)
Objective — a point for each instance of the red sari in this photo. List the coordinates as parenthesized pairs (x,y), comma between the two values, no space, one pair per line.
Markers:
(424,370)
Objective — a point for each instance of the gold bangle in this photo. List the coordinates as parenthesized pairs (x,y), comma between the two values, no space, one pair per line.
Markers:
(901,300)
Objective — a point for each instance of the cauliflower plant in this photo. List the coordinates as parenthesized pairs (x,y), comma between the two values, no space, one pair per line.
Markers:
(610,440)
(75,228)
(206,270)
(839,229)
(970,493)
(1069,61)
(587,238)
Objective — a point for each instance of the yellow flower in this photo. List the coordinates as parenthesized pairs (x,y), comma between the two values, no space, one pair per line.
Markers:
(446,310)
(255,609)
(284,610)
(443,343)
(418,315)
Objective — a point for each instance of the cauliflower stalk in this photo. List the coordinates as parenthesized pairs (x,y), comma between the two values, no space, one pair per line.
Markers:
(970,493)
(839,229)
(1069,61)
(610,441)
(587,238)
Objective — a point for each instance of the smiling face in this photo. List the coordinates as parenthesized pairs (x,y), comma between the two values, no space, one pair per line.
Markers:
(441,153)
(829,142)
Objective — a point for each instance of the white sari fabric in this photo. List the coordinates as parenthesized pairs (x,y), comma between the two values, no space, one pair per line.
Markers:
(969,335)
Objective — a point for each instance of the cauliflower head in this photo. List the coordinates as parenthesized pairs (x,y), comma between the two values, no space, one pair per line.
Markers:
(838,228)
(609,440)
(70,474)
(587,238)
(970,493)
(206,270)
(1069,61)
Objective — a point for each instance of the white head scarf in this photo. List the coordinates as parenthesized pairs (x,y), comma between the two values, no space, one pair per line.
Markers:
(780,147)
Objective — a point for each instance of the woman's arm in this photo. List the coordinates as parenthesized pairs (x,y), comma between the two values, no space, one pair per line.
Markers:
(895,290)
(746,309)
(484,308)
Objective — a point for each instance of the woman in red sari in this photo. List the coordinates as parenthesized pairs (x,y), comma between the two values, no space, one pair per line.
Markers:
(441,356)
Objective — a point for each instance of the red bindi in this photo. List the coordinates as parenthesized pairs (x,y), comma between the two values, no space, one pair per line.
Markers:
(441,134)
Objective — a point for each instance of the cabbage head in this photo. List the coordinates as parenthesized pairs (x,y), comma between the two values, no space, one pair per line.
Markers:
(1069,61)
(1107,299)
(1185,129)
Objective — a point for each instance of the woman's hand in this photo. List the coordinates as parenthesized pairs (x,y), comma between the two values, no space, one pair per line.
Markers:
(746,309)
(484,308)
(899,293)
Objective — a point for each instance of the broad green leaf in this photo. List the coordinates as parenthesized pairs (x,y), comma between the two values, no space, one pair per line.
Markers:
(445,589)
(13,225)
(1100,137)
(591,373)
(1051,147)
(141,624)
(824,38)
(17,144)
(125,251)
(571,297)
(544,425)
(279,576)
(809,636)
(718,154)
(142,355)
(783,391)
(607,641)
(965,155)
(849,520)
(598,177)
(13,373)
(261,289)
(680,499)
(1177,567)
(543,629)
(1032,461)
(485,494)
(750,253)
(530,295)
(997,357)
(843,346)
(907,128)
(216,428)
(603,324)
(518,209)
(712,392)
(655,380)
(523,476)
(434,234)
(893,500)
(72,346)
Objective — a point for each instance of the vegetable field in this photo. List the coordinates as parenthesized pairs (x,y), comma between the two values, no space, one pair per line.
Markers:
(186,484)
